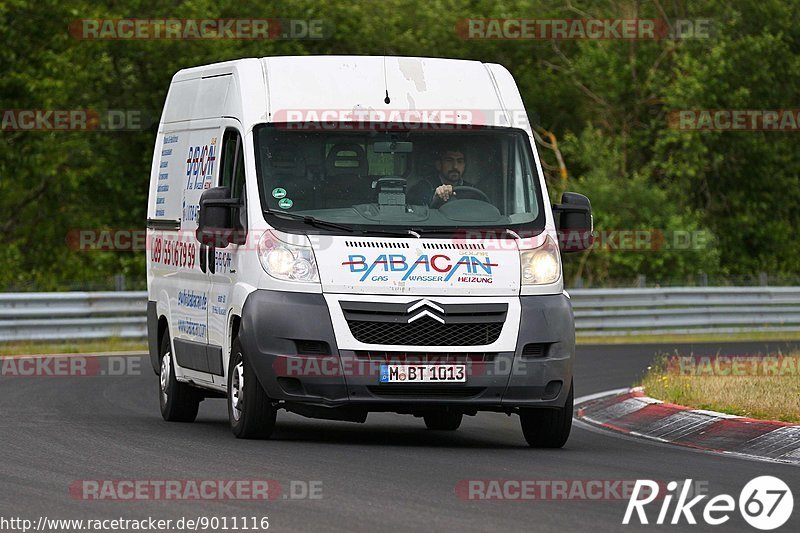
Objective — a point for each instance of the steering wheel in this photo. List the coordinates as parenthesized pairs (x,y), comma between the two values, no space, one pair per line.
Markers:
(461,192)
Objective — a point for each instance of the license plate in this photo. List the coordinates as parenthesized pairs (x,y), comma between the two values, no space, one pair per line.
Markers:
(423,373)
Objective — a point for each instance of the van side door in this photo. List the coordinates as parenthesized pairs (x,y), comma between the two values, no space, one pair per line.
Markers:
(223,262)
(189,282)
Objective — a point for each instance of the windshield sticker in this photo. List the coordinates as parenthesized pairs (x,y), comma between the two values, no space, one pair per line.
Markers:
(424,268)
(285,203)
(278,193)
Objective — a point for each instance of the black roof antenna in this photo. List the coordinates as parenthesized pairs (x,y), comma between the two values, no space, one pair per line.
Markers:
(386,100)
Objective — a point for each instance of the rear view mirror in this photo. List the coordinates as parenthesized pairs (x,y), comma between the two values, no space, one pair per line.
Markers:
(214,222)
(574,222)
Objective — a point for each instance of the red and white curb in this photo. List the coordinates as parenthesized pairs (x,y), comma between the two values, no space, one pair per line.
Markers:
(629,411)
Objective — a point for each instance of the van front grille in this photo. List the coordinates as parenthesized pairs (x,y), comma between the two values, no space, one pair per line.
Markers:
(425,323)
(425,332)
(453,246)
(377,244)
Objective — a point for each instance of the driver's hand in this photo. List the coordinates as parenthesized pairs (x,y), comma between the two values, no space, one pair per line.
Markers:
(445,192)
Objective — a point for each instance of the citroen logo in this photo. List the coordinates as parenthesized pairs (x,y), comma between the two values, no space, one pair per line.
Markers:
(422,308)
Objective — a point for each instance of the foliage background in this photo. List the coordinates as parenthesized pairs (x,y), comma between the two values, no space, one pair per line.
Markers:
(606,102)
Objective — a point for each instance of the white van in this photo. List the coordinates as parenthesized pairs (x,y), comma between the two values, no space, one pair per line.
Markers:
(336,236)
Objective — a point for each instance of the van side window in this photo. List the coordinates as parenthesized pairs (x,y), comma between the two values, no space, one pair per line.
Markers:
(232,162)
(228,156)
(238,172)
(233,168)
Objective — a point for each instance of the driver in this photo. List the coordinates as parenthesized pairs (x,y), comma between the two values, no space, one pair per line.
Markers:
(450,165)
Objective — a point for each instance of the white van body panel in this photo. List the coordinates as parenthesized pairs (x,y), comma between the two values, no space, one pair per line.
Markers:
(352,82)
(423,267)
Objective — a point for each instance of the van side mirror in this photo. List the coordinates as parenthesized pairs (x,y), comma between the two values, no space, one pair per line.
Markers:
(574,222)
(215,225)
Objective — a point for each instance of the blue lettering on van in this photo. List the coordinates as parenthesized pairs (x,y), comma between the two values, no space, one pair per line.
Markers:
(193,300)
(160,200)
(163,176)
(190,327)
(170,139)
(222,260)
(438,264)
(159,212)
(165,152)
(190,211)
(200,165)
(164,164)
(163,188)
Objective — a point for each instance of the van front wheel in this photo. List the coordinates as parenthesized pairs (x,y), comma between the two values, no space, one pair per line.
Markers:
(179,401)
(547,427)
(250,411)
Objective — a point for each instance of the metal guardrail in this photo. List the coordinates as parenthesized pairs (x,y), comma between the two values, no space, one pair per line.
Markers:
(50,316)
(685,310)
(598,312)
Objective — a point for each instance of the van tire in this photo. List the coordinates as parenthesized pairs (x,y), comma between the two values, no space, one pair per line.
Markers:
(179,401)
(547,427)
(250,411)
(443,420)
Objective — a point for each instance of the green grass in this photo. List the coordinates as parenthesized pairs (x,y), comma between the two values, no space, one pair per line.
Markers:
(750,392)
(85,347)
(777,336)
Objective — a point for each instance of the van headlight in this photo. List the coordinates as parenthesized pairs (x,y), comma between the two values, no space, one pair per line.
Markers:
(542,265)
(287,261)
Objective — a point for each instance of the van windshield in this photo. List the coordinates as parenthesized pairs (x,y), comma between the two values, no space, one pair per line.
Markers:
(431,179)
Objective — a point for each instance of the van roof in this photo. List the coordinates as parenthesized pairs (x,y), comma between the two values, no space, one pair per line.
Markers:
(340,83)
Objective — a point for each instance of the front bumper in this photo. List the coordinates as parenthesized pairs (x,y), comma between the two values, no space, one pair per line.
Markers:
(285,336)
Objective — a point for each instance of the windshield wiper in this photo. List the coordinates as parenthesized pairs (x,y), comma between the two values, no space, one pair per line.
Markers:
(443,231)
(311,221)
(422,231)
(398,233)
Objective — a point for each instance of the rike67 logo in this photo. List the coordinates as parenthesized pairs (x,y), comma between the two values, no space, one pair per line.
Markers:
(765,503)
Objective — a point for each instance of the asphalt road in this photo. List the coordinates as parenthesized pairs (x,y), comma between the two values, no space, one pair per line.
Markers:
(388,474)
